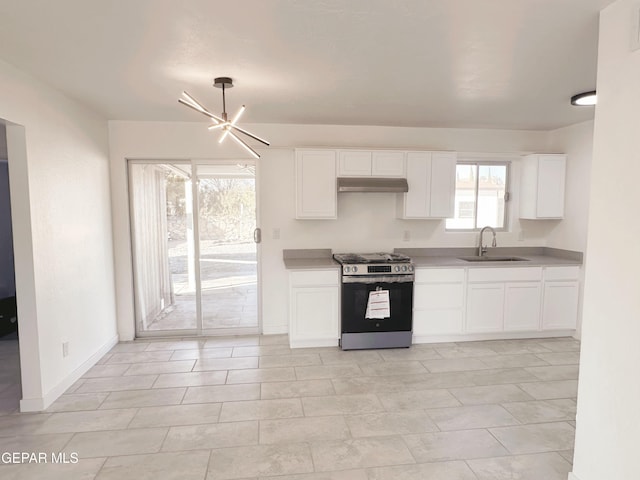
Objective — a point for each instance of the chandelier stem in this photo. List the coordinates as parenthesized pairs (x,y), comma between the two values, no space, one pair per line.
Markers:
(224,105)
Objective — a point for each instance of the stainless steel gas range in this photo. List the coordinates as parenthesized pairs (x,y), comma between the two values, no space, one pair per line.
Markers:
(376,301)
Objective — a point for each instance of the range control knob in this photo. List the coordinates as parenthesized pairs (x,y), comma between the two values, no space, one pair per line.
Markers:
(355,269)
(411,268)
(404,268)
(397,268)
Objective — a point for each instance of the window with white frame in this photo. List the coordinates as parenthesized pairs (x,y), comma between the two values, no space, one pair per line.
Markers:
(481,196)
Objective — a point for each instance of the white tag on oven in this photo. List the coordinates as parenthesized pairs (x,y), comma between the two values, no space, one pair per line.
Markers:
(378,305)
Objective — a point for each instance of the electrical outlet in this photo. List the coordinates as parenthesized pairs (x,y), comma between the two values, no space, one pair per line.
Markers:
(406,236)
(65,349)
(276,234)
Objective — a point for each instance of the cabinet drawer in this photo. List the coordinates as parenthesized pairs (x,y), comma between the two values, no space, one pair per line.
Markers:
(314,277)
(505,274)
(562,273)
(439,275)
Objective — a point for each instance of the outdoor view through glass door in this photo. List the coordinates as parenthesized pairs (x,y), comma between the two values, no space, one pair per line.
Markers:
(175,220)
(228,263)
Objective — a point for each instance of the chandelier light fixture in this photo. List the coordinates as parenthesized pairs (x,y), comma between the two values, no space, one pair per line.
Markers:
(229,128)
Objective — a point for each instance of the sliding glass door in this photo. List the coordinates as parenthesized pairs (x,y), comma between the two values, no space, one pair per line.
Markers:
(228,253)
(195,259)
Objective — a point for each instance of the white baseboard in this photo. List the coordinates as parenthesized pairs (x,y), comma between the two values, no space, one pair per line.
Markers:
(573,476)
(474,337)
(275,329)
(41,403)
(315,342)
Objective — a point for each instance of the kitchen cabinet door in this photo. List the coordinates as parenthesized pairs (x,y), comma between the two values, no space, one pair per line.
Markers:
(416,203)
(431,178)
(354,163)
(314,309)
(316,191)
(387,164)
(443,184)
(542,185)
(438,309)
(522,306)
(485,307)
(551,180)
(560,305)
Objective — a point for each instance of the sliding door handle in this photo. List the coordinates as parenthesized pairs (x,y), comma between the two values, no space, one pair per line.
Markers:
(257,235)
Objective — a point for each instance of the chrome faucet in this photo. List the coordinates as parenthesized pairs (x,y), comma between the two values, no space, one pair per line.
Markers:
(482,250)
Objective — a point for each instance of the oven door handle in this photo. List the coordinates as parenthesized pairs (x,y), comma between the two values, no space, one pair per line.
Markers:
(377,279)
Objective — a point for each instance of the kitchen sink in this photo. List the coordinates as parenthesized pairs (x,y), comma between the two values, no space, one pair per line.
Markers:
(490,258)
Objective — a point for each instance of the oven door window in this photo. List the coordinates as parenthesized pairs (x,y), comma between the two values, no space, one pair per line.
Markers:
(355,297)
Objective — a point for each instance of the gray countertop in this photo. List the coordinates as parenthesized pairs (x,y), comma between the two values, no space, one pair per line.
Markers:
(309,259)
(450,257)
(321,258)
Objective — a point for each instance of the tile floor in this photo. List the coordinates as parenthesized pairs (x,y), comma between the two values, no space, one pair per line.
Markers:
(251,408)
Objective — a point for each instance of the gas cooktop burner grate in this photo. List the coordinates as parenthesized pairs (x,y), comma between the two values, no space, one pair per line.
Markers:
(371,258)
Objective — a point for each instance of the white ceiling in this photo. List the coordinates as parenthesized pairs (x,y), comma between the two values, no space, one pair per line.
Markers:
(434,63)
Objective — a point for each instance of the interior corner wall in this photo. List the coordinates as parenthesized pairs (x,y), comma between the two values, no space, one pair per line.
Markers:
(608,418)
(60,198)
(577,142)
(364,222)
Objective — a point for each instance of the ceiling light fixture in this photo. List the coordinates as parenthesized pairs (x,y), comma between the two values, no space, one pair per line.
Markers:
(222,121)
(584,99)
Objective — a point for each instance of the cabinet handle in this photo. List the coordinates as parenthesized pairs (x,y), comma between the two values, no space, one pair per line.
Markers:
(257,235)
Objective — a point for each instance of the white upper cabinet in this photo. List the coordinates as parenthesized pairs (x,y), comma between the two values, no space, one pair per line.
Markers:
(366,163)
(432,182)
(316,192)
(542,183)
(354,163)
(387,164)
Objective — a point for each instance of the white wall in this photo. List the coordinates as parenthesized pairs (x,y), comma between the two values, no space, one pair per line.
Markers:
(366,221)
(60,195)
(577,142)
(608,417)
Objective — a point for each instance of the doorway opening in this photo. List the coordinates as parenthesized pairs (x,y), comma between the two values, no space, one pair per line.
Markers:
(195,252)
(10,382)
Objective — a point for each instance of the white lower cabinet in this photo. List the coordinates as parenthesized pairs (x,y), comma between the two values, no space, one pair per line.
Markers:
(560,298)
(498,307)
(438,301)
(314,308)
(485,306)
(503,299)
(448,303)
(522,306)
